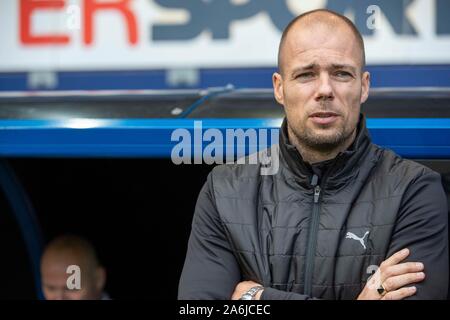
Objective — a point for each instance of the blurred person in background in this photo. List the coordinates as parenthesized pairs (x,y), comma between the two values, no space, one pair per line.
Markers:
(58,257)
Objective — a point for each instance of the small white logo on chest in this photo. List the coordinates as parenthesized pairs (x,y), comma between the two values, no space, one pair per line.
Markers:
(351,235)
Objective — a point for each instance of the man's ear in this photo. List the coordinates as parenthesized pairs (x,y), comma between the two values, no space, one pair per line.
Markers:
(277,82)
(365,86)
(100,279)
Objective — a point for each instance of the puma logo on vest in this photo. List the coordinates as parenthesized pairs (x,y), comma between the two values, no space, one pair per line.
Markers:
(351,235)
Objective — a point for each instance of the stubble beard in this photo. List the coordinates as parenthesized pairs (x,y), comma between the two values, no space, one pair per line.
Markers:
(309,138)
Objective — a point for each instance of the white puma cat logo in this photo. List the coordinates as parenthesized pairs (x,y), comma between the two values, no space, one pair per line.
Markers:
(351,235)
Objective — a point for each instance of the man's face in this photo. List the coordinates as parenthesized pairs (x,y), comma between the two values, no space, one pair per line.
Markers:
(321,85)
(54,280)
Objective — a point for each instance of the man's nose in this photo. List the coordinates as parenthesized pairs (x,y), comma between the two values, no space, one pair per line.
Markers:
(325,89)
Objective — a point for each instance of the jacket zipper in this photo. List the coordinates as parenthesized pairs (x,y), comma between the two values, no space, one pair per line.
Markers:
(312,237)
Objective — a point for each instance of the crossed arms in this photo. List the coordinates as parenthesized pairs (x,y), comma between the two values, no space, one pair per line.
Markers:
(419,272)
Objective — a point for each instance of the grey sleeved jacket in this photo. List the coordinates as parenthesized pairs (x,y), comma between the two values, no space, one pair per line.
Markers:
(302,239)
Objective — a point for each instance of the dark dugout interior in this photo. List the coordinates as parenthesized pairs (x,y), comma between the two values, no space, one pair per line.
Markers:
(136,212)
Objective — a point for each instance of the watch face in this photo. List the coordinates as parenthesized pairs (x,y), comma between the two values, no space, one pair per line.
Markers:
(246,296)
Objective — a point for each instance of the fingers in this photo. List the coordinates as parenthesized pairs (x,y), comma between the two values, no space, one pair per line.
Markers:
(393,283)
(402,268)
(395,275)
(400,293)
(396,258)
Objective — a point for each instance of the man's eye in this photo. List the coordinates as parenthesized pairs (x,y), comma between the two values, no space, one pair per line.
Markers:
(305,75)
(343,74)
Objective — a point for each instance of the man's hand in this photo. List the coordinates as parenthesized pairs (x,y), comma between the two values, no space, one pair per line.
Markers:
(394,276)
(243,287)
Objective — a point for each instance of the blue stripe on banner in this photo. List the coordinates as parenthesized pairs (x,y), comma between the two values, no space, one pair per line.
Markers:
(382,76)
(411,138)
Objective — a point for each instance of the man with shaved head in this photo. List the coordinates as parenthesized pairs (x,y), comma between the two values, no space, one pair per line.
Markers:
(62,253)
(321,83)
(342,218)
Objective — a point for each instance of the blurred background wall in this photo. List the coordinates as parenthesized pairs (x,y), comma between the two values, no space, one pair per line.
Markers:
(154,44)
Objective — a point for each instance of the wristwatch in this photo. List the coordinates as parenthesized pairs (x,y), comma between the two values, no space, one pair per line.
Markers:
(250,294)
